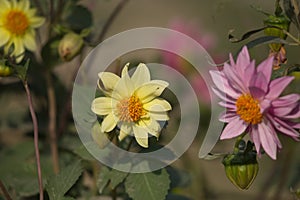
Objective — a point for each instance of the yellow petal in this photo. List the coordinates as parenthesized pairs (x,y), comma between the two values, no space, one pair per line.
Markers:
(36,22)
(109,123)
(141,75)
(157,105)
(29,40)
(18,49)
(159,116)
(151,125)
(141,136)
(109,81)
(103,105)
(23,5)
(4,36)
(151,90)
(125,131)
(4,6)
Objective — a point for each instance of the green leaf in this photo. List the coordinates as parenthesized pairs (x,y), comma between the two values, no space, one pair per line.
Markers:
(233,39)
(148,186)
(21,71)
(58,185)
(113,177)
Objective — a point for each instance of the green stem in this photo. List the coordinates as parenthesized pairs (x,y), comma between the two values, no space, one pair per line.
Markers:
(4,191)
(52,122)
(36,139)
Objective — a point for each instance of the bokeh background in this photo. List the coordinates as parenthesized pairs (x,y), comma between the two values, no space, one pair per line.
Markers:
(210,20)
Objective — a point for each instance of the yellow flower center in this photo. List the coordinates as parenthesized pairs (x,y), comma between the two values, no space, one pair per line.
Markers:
(16,22)
(130,110)
(248,109)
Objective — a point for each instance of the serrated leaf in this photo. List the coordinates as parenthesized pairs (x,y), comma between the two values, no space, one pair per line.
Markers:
(111,176)
(148,186)
(58,185)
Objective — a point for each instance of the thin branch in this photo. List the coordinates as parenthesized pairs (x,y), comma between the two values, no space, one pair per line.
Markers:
(4,191)
(111,18)
(36,139)
(52,122)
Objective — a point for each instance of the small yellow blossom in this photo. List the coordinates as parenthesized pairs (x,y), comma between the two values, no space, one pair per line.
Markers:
(132,103)
(17,24)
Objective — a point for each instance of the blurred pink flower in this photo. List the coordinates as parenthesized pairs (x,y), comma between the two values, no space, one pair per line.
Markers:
(253,103)
(178,44)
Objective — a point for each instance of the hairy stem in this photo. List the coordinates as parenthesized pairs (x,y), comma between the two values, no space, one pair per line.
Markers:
(52,122)
(4,191)
(36,139)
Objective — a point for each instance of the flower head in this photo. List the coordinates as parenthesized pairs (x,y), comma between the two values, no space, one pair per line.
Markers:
(17,23)
(132,103)
(253,103)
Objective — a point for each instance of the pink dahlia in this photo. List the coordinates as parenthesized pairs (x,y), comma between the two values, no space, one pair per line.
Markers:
(253,103)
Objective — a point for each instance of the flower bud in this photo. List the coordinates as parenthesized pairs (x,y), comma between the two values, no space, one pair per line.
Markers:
(282,22)
(70,46)
(241,169)
(5,70)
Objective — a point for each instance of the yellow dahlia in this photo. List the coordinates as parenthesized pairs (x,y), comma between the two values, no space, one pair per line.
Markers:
(132,103)
(17,24)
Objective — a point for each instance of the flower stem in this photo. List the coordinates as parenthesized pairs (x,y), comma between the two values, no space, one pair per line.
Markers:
(52,122)
(36,139)
(4,191)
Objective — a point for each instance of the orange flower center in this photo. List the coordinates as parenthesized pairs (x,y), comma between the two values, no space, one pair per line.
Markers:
(130,110)
(16,22)
(248,109)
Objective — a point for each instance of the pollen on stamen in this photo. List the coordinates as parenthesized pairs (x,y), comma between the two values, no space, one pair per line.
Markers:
(130,110)
(248,109)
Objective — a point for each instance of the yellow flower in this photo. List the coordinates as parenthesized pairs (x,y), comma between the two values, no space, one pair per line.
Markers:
(132,103)
(17,24)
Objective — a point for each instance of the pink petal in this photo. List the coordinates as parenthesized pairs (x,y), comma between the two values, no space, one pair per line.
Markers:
(226,116)
(233,79)
(234,128)
(249,73)
(266,137)
(228,105)
(284,111)
(243,60)
(254,134)
(277,86)
(284,127)
(259,81)
(286,100)
(266,68)
(222,84)
(256,92)
(222,95)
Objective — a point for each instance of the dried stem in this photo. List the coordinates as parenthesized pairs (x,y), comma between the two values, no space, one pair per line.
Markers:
(36,139)
(4,191)
(52,122)
(111,18)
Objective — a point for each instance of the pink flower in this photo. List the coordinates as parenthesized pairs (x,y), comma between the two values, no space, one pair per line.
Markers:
(253,103)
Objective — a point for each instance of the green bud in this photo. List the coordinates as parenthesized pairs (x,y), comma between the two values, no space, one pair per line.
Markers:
(70,46)
(282,22)
(5,70)
(241,168)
